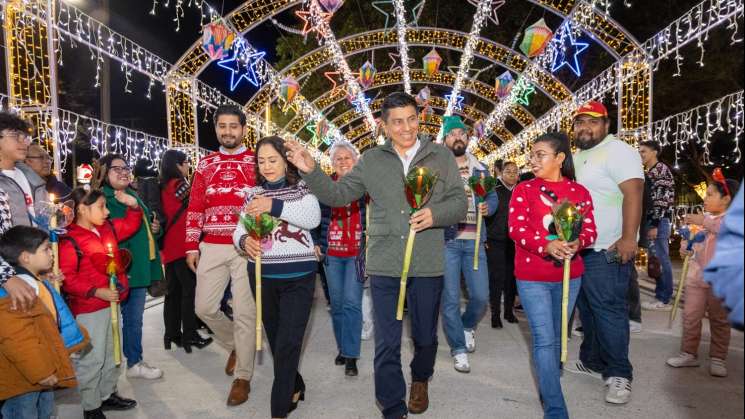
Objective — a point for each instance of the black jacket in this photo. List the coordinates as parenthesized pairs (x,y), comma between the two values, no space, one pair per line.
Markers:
(496,225)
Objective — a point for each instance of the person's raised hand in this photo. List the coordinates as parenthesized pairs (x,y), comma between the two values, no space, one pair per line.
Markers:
(125,199)
(299,156)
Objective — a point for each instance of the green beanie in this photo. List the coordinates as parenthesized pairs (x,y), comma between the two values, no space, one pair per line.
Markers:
(450,123)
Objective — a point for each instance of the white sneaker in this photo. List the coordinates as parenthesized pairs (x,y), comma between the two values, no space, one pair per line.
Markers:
(143,370)
(619,390)
(367,330)
(580,368)
(656,305)
(461,363)
(635,327)
(683,359)
(470,340)
(578,332)
(718,367)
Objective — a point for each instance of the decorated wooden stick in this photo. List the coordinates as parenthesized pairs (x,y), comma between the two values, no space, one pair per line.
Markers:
(54,240)
(481,186)
(112,271)
(259,317)
(692,234)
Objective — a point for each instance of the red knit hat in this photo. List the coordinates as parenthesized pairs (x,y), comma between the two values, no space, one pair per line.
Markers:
(594,109)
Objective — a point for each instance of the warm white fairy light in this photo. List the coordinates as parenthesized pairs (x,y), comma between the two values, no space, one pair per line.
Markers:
(483,11)
(403,47)
(692,26)
(353,87)
(700,124)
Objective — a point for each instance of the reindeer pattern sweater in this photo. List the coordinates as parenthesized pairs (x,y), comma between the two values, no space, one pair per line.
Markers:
(217,194)
(288,252)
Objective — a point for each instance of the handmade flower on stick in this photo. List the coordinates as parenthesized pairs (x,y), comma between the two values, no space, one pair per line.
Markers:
(113,264)
(568,219)
(53,217)
(419,184)
(259,227)
(481,186)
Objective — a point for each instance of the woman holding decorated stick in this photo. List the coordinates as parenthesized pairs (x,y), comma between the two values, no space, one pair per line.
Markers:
(541,253)
(288,265)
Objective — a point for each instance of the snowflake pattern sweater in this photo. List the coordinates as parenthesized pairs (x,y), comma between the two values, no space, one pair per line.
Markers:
(217,196)
(289,249)
(531,222)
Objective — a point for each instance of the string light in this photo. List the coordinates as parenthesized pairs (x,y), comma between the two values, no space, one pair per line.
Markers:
(483,11)
(353,87)
(700,124)
(403,48)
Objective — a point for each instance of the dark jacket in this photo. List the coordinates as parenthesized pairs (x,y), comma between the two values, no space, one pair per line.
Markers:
(380,174)
(496,225)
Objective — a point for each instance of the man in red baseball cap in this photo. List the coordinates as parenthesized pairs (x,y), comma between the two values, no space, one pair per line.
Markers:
(612,171)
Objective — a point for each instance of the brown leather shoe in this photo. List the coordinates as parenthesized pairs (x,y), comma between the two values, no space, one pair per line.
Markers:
(418,397)
(239,392)
(230,366)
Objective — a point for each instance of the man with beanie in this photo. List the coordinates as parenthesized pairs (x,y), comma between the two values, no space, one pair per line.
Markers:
(460,329)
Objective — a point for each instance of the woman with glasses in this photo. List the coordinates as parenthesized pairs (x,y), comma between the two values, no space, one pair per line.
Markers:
(539,257)
(114,174)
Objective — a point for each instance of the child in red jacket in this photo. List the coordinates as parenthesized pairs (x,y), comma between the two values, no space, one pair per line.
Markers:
(89,295)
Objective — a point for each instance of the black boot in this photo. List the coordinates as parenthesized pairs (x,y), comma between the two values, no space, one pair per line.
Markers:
(510,317)
(496,322)
(117,402)
(340,360)
(94,414)
(350,370)
(168,340)
(197,341)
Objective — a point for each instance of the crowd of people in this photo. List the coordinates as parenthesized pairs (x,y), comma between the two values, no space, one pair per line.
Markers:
(180,232)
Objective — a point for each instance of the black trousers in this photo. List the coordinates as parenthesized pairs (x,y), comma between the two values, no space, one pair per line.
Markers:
(500,256)
(178,307)
(423,296)
(286,305)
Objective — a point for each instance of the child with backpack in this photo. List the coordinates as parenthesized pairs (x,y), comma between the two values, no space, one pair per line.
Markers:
(35,345)
(87,287)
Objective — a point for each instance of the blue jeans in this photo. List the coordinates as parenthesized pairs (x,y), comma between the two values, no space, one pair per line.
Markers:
(34,405)
(423,298)
(459,258)
(345,292)
(603,309)
(132,309)
(542,304)
(661,248)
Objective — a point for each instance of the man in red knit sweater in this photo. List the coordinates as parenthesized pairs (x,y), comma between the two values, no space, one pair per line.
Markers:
(217,195)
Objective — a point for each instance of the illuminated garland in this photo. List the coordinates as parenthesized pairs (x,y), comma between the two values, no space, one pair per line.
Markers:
(403,48)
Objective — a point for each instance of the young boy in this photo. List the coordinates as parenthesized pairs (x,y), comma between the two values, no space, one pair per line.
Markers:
(35,345)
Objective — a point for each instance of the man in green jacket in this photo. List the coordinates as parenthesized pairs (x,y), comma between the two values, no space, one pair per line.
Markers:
(380,173)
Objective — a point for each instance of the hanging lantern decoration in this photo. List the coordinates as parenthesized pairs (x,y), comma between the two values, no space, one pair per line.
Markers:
(367,75)
(288,89)
(432,62)
(504,84)
(536,38)
(422,99)
(479,129)
(217,39)
(331,6)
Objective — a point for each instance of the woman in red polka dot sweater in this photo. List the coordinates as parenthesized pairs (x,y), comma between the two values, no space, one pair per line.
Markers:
(539,258)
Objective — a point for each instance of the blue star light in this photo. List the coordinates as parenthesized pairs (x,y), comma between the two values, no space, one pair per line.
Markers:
(564,57)
(358,104)
(458,101)
(242,67)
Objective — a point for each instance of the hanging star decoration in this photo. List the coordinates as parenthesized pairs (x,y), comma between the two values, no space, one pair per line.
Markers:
(357,103)
(568,53)
(523,91)
(496,4)
(396,58)
(242,65)
(315,128)
(416,11)
(338,86)
(308,26)
(458,101)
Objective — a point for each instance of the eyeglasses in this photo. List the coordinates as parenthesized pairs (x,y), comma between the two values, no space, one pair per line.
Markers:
(121,170)
(43,157)
(19,137)
(539,156)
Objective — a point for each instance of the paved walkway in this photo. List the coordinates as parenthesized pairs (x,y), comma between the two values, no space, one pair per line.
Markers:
(500,384)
